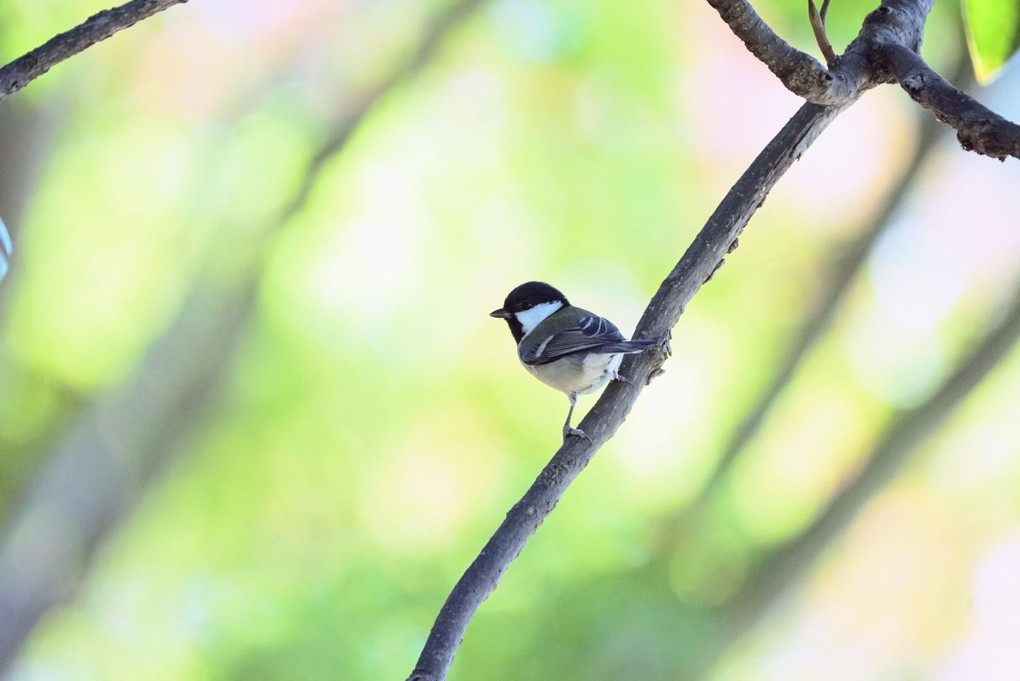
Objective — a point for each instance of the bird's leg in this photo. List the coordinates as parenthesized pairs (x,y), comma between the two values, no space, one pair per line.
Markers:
(567,430)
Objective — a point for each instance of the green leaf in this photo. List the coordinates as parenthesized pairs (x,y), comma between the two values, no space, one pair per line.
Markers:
(993,34)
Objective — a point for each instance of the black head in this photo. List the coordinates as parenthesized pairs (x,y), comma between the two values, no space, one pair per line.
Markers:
(525,297)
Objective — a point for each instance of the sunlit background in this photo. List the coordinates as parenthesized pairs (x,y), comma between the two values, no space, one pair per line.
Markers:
(255,420)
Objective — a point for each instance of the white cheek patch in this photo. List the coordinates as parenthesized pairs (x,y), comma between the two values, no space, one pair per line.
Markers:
(529,319)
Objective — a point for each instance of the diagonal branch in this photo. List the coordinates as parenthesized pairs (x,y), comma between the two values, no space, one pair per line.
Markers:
(845,271)
(701,260)
(812,329)
(100,26)
(121,443)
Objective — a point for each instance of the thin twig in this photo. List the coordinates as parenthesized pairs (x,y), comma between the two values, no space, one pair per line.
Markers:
(100,26)
(817,20)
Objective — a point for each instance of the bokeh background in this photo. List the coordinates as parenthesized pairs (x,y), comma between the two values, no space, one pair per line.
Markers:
(255,420)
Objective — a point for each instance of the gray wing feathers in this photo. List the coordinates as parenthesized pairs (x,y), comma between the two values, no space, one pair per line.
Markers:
(591,334)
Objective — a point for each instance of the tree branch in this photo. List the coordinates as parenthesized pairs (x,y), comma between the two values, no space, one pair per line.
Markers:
(894,22)
(884,51)
(978,128)
(100,26)
(700,261)
(799,71)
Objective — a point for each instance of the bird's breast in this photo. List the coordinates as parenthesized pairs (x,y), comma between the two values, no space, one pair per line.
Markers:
(580,373)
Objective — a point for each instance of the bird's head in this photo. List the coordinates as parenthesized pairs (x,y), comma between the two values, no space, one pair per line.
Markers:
(528,305)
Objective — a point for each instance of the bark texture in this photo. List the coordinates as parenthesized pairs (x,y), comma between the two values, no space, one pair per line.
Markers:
(99,26)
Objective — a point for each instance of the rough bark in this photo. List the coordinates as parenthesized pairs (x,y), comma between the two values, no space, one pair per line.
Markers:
(885,51)
(99,26)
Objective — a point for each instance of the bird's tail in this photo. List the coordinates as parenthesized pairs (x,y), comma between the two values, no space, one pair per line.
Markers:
(626,346)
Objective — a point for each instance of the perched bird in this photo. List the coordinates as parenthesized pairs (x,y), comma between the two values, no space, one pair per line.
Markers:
(570,349)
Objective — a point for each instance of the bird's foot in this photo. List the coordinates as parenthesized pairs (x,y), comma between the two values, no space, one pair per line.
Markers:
(665,350)
(576,432)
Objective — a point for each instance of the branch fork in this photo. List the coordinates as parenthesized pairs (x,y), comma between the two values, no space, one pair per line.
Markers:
(885,51)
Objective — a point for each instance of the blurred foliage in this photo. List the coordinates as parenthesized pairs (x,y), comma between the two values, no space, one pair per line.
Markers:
(993,34)
(374,425)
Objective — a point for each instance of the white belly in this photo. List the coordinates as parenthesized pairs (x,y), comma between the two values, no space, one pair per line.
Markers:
(578,374)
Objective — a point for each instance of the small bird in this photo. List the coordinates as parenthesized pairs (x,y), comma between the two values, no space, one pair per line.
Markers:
(565,347)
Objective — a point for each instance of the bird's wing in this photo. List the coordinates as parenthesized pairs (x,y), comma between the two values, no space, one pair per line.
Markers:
(586,333)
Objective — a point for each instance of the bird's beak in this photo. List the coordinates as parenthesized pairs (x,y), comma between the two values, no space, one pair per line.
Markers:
(500,314)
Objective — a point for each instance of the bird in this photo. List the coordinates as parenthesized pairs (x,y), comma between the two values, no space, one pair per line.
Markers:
(567,348)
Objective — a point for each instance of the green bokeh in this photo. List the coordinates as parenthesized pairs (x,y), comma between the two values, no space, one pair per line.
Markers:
(372,425)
